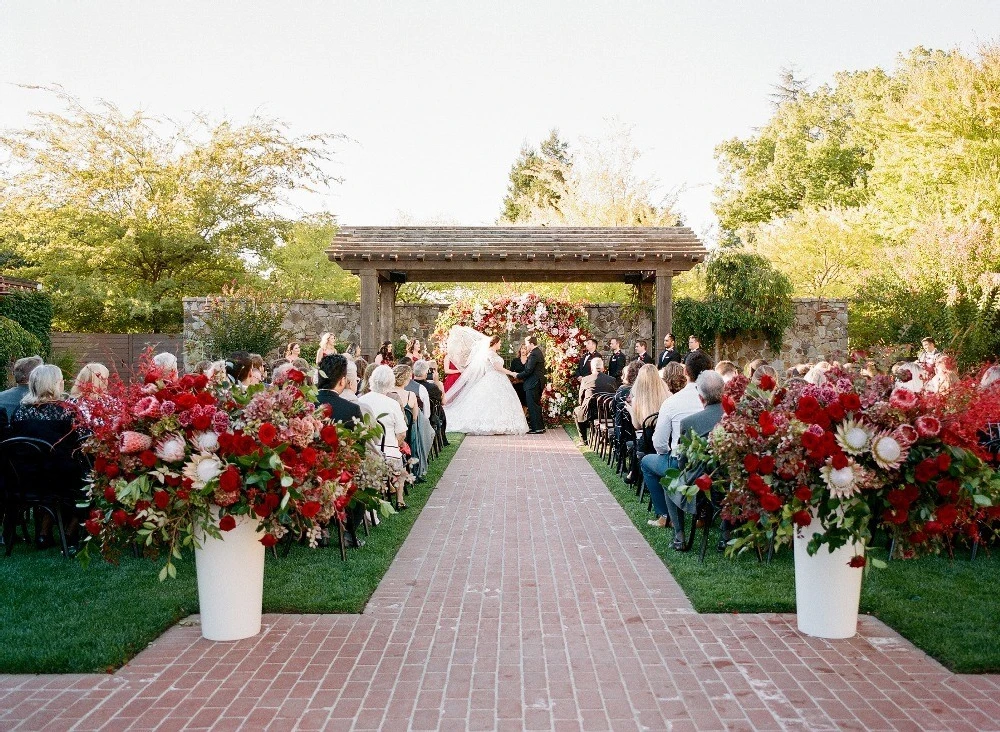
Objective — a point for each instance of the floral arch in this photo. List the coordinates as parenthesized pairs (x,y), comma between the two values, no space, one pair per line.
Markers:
(562,328)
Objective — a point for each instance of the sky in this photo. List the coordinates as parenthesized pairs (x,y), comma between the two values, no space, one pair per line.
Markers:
(436,98)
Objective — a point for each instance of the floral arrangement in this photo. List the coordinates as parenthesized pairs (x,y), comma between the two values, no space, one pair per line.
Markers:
(562,326)
(177,460)
(849,455)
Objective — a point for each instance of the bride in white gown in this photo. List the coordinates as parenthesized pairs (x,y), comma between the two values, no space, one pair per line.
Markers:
(483,401)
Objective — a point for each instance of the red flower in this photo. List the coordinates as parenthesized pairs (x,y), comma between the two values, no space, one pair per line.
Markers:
(206,399)
(119,517)
(309,456)
(141,506)
(202,422)
(93,526)
(927,470)
(857,562)
(917,537)
(309,509)
(289,457)
(329,435)
(751,462)
(185,400)
(172,480)
(770,502)
(147,458)
(161,499)
(839,460)
(850,401)
(802,518)
(268,540)
(345,477)
(949,487)
(947,514)
(766,465)
(803,493)
(897,516)
(728,404)
(230,480)
(757,484)
(200,381)
(704,483)
(751,432)
(296,376)
(227,523)
(766,382)
(807,409)
(928,426)
(934,527)
(268,434)
(835,412)
(109,495)
(943,462)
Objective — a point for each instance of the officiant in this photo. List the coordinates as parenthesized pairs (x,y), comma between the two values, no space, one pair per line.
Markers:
(517,366)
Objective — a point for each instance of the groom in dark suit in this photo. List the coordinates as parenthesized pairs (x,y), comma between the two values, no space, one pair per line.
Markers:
(533,376)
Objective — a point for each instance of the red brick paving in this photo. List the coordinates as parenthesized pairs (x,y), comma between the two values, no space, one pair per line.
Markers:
(522,599)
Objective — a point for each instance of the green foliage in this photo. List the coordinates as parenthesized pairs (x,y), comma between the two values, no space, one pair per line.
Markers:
(530,185)
(301,269)
(122,215)
(240,319)
(15,343)
(33,312)
(745,295)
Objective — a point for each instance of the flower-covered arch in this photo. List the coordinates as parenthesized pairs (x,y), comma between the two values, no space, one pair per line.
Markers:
(561,326)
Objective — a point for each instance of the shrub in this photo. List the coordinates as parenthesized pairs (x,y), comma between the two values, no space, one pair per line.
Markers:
(241,319)
(33,312)
(15,343)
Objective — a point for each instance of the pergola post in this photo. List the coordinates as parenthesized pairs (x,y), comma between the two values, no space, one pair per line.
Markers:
(369,312)
(664,304)
(386,310)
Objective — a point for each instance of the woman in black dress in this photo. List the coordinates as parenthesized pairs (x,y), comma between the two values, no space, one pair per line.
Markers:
(517,366)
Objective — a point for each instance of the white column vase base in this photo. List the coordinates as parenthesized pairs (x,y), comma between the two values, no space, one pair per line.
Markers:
(827,589)
(231,582)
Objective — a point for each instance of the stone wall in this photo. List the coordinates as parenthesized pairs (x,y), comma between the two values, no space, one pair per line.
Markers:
(820,329)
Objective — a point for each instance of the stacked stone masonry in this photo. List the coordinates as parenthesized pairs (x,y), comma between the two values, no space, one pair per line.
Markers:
(819,331)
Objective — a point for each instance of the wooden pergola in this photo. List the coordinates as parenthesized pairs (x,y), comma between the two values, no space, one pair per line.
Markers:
(385,257)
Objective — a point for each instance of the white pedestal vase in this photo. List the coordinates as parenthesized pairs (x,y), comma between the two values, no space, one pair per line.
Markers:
(827,588)
(231,581)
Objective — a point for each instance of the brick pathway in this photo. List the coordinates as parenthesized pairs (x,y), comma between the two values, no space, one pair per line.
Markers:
(522,599)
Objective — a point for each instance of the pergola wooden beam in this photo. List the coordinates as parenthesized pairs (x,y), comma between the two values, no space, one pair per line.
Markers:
(383,256)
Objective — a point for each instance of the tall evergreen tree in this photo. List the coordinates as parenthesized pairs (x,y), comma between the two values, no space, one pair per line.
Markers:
(532,178)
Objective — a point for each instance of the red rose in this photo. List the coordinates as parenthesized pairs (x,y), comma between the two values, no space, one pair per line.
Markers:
(839,461)
(770,502)
(802,518)
(141,506)
(751,462)
(345,477)
(161,499)
(93,526)
(943,462)
(109,495)
(200,381)
(768,428)
(289,457)
(100,463)
(268,434)
(295,375)
(186,381)
(857,562)
(949,487)
(766,382)
(807,409)
(268,540)
(898,499)
(329,435)
(172,480)
(850,401)
(911,492)
(934,527)
(803,493)
(835,412)
(227,523)
(202,422)
(947,514)
(309,509)
(927,470)
(147,458)
(206,399)
(728,404)
(230,480)
(704,483)
(897,516)
(309,456)
(757,484)
(766,465)
(182,495)
(185,400)
(119,517)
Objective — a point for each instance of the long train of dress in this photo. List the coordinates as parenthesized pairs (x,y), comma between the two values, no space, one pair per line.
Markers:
(485,404)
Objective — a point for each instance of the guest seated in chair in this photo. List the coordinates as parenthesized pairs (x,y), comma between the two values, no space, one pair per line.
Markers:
(590,386)
(332,381)
(10,399)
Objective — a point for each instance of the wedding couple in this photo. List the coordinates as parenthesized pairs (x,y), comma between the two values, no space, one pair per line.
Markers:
(483,401)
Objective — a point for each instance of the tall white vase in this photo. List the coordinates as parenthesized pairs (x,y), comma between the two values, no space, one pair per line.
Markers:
(827,589)
(231,582)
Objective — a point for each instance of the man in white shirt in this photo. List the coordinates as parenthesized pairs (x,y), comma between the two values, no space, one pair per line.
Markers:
(667,434)
(928,357)
(350,392)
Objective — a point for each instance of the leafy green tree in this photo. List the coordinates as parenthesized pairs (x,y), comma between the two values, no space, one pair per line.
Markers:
(240,319)
(530,186)
(121,215)
(301,269)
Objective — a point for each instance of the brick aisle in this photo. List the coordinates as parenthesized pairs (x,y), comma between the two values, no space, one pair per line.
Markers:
(522,599)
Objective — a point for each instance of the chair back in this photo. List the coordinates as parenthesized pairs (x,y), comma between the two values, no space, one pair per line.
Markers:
(648,427)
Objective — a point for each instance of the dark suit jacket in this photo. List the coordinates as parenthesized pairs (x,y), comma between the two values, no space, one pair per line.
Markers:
(702,422)
(344,411)
(645,358)
(583,368)
(690,354)
(589,387)
(616,364)
(669,355)
(533,373)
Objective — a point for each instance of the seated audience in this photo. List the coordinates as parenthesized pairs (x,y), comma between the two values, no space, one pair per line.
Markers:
(619,404)
(350,392)
(727,370)
(92,379)
(390,416)
(817,374)
(596,383)
(167,365)
(945,376)
(332,382)
(674,376)
(648,394)
(366,375)
(425,374)
(11,398)
(245,369)
(762,371)
(667,434)
(752,367)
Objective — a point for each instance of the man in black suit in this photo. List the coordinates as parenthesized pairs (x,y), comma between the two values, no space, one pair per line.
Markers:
(583,368)
(669,351)
(424,374)
(694,347)
(616,361)
(590,386)
(641,354)
(331,382)
(533,376)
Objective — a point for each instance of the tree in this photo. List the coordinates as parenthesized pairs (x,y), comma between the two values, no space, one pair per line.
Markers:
(121,215)
(301,269)
(529,186)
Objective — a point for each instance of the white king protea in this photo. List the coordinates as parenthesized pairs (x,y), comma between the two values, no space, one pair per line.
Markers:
(842,482)
(889,454)
(853,437)
(202,468)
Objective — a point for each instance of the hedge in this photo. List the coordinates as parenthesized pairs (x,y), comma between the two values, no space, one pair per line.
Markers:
(15,343)
(33,312)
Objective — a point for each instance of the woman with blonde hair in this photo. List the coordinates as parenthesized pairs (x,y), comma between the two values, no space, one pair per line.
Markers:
(92,379)
(647,396)
(327,347)
(366,378)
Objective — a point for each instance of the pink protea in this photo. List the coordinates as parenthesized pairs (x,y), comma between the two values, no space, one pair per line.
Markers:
(903,399)
(135,442)
(148,406)
(928,426)
(906,434)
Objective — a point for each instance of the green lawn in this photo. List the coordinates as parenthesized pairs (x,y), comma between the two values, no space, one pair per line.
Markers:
(949,608)
(57,617)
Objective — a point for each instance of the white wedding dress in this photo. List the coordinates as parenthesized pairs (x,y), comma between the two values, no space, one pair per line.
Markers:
(483,401)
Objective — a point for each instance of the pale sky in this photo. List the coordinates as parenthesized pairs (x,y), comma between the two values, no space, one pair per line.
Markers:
(438,97)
